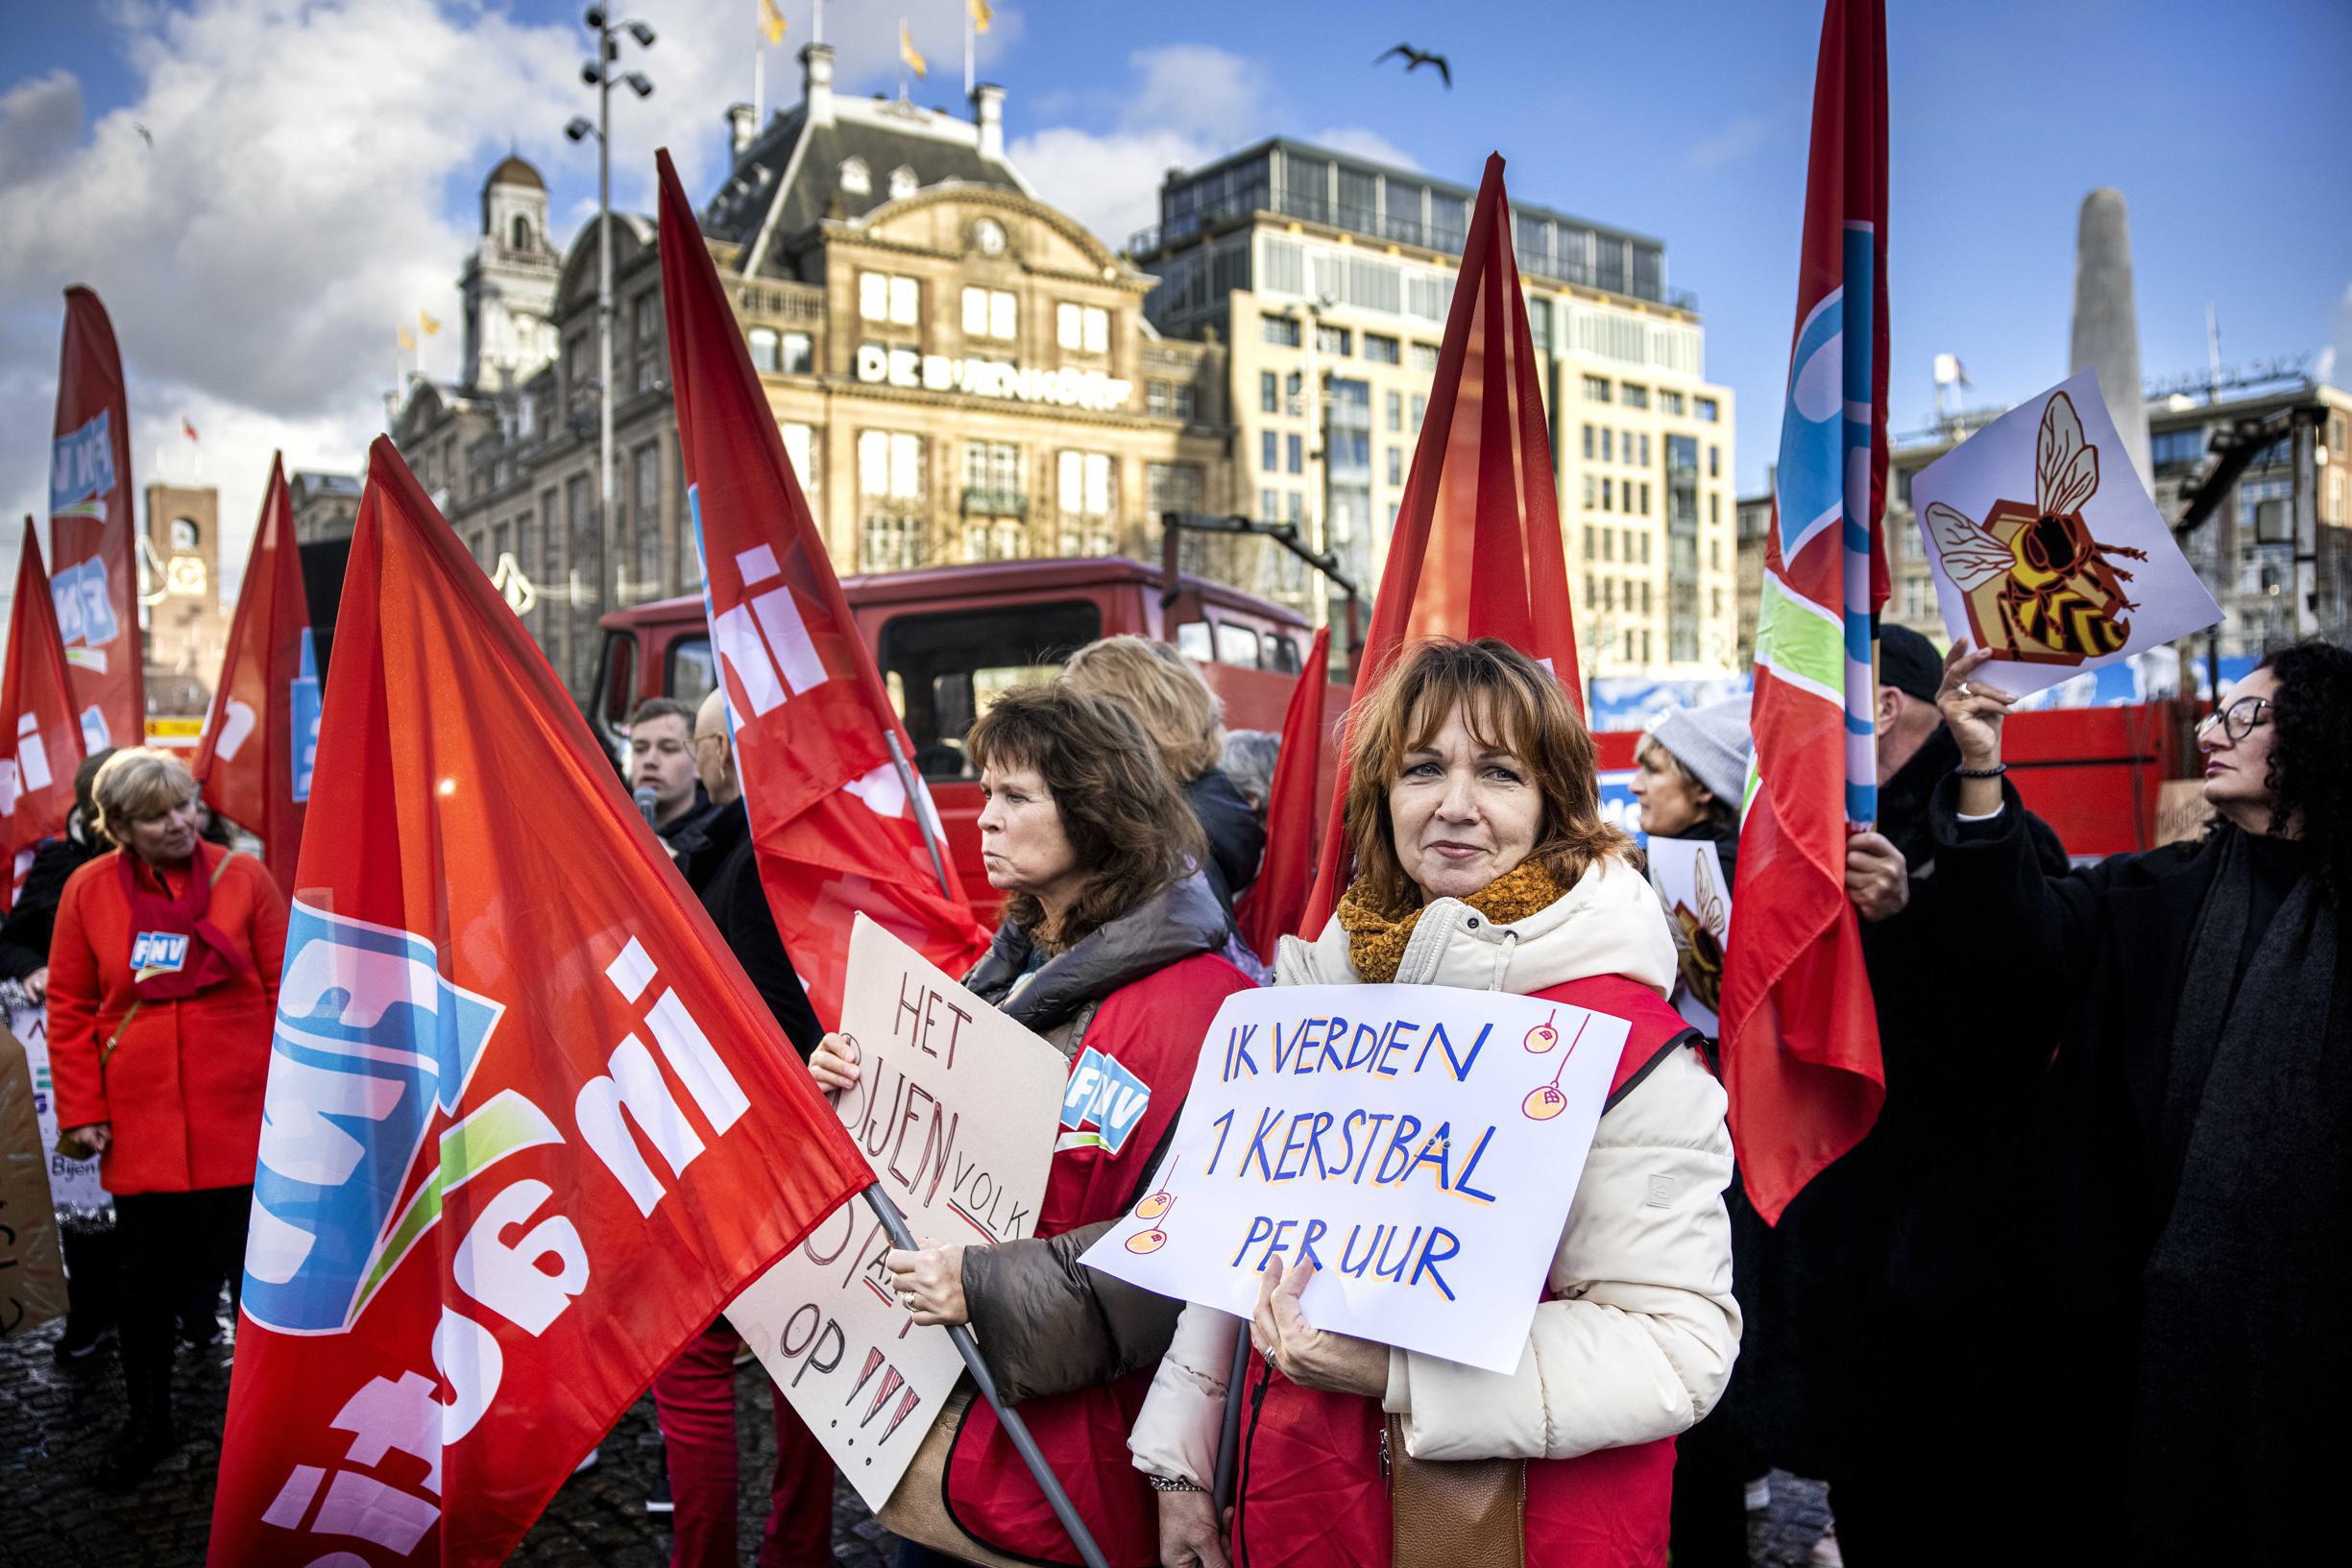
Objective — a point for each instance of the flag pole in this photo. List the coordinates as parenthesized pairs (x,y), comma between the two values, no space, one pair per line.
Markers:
(1007,1418)
(758,82)
(967,48)
(915,800)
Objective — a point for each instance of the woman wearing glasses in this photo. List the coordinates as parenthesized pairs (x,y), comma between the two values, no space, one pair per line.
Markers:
(2188,1255)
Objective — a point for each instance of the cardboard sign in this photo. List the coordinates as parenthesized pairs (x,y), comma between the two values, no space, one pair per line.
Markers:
(1689,875)
(2047,549)
(956,1110)
(1421,1144)
(74,1187)
(31,1269)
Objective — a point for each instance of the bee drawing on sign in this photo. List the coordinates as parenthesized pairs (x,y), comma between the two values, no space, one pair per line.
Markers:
(1699,936)
(2039,589)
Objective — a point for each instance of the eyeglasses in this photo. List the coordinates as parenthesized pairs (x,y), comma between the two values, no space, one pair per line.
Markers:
(2240,719)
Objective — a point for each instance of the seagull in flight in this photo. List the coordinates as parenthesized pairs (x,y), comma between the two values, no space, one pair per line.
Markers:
(146,136)
(1416,58)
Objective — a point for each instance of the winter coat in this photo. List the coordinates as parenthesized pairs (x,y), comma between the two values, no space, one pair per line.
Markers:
(724,871)
(1639,1332)
(1129,1005)
(1863,1301)
(1236,834)
(182,1089)
(2187,1291)
(24,935)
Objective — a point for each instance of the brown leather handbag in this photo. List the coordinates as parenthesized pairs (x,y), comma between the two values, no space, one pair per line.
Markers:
(1446,1513)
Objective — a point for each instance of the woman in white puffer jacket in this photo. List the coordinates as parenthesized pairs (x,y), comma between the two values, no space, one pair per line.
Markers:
(1482,862)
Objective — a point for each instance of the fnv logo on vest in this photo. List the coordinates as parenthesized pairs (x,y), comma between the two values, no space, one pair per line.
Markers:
(1102,1104)
(368,1031)
(157,953)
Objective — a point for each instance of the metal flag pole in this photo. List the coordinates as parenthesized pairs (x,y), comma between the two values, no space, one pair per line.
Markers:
(916,799)
(1014,1427)
(1229,1429)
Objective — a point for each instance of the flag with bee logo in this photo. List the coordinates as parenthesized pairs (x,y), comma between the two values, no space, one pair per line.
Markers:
(2047,548)
(1800,1033)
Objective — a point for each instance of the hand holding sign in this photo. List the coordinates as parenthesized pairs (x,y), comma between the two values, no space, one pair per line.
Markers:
(1312,1358)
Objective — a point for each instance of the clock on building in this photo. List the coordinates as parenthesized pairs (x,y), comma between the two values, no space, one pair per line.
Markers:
(990,235)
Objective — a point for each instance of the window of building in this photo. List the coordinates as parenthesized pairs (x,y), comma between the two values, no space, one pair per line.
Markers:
(1645,550)
(1597,388)
(1645,484)
(1609,495)
(1634,397)
(856,180)
(1395,410)
(1296,447)
(1707,410)
(1670,403)
(520,235)
(1592,591)
(1715,507)
(1382,350)
(890,469)
(1087,498)
(1420,408)
(1714,555)
(903,183)
(1608,445)
(1590,440)
(991,313)
(1645,459)
(1609,592)
(1269,393)
(1609,543)
(1645,595)
(1082,329)
(1282,331)
(766,349)
(1592,493)
(1295,506)
(886,297)
(1397,464)
(1334,340)
(1269,505)
(644,519)
(1423,358)
(1270,450)
(798,354)
(2180,448)
(1171,487)
(799,445)
(1714,462)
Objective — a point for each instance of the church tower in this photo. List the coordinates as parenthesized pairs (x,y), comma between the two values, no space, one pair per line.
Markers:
(510,282)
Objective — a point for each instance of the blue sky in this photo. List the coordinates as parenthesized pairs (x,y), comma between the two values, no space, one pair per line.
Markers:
(267,314)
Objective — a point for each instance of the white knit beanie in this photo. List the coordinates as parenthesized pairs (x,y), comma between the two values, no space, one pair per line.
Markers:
(1712,742)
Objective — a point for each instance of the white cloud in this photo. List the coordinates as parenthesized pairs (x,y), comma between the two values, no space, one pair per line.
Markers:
(1187,104)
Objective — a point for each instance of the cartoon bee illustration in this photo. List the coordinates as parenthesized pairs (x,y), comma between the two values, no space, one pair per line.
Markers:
(2052,593)
(1700,937)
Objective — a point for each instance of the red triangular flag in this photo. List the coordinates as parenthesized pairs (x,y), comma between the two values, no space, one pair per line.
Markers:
(1476,548)
(1273,905)
(839,819)
(262,731)
(1801,1058)
(37,716)
(528,1126)
(93,529)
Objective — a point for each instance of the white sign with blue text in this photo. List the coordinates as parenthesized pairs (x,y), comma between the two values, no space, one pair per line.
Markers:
(1420,1144)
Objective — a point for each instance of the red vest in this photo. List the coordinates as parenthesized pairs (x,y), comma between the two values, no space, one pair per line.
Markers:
(1147,1033)
(1312,1493)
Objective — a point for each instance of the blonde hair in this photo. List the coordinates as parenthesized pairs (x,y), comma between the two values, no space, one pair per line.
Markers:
(1161,690)
(138,783)
(1494,686)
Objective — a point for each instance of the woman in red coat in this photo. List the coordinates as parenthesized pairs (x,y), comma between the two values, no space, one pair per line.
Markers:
(162,989)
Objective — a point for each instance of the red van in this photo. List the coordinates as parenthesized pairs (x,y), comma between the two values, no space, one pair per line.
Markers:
(948,639)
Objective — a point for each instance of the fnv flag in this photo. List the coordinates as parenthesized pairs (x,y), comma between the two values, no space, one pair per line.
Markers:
(528,1127)
(262,735)
(37,716)
(1800,1037)
(92,531)
(834,813)
(1476,548)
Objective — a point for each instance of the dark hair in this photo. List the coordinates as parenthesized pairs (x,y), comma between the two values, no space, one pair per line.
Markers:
(85,799)
(1494,684)
(2310,757)
(662,708)
(1126,820)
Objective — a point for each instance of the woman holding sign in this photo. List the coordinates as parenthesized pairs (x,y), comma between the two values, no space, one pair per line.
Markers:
(2185,1219)
(1110,949)
(1482,862)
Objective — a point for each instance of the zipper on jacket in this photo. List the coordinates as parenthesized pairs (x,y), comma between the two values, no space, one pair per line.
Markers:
(1388,1478)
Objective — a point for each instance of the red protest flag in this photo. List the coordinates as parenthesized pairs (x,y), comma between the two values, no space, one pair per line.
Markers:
(528,1126)
(93,526)
(1271,906)
(1801,1060)
(37,716)
(834,802)
(1476,549)
(260,736)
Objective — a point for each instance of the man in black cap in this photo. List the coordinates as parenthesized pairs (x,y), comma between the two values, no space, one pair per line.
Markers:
(1866,1302)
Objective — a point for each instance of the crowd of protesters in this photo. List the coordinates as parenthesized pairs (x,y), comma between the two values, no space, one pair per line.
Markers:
(2099,1229)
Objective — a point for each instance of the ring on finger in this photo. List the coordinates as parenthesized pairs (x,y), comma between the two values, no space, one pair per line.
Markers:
(1964,690)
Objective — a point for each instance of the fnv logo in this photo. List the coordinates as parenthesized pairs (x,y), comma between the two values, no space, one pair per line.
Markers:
(1102,1104)
(370,1039)
(157,953)
(82,470)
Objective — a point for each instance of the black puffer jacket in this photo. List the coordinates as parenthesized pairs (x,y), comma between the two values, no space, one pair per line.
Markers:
(1047,1323)
(24,936)
(1236,838)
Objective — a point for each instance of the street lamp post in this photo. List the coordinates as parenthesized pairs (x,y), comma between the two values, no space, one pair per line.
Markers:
(598,74)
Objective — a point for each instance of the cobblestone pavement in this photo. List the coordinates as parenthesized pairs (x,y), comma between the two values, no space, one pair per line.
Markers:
(54,1424)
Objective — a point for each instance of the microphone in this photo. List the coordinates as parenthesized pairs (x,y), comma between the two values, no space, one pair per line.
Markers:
(647,803)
